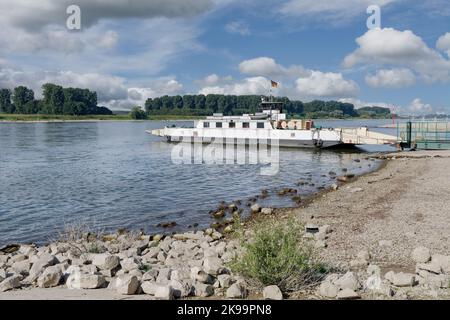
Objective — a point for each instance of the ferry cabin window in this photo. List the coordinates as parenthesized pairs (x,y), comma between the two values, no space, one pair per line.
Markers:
(232,125)
(260,125)
(205,124)
(245,125)
(218,124)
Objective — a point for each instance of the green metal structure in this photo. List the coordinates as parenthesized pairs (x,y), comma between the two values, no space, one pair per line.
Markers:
(426,135)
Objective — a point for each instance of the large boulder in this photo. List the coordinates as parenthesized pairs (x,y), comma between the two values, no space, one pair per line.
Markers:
(181,288)
(442,261)
(203,290)
(255,208)
(51,277)
(348,294)
(105,261)
(10,283)
(403,279)
(44,261)
(126,284)
(85,281)
(198,274)
(328,289)
(129,264)
(22,267)
(212,266)
(225,280)
(164,292)
(272,293)
(421,255)
(237,290)
(348,281)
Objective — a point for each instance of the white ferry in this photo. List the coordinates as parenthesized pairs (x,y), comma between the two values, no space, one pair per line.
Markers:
(269,125)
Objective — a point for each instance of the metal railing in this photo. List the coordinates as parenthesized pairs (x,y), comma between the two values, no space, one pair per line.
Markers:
(424,134)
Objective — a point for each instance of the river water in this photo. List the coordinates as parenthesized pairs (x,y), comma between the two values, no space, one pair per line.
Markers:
(110,175)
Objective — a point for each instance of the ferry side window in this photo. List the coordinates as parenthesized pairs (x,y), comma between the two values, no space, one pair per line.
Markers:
(205,124)
(218,124)
(245,125)
(260,125)
(232,125)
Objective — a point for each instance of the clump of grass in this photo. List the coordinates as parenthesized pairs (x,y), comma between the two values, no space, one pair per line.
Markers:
(277,254)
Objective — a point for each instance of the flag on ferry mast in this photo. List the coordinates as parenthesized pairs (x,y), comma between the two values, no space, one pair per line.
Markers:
(274,84)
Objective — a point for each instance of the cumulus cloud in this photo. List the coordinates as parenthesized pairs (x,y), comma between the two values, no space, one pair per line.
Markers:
(136,96)
(254,85)
(392,78)
(32,15)
(265,66)
(238,27)
(443,43)
(402,48)
(335,12)
(213,80)
(418,107)
(360,104)
(326,85)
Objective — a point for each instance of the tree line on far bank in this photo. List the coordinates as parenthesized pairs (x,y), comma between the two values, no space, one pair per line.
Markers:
(201,105)
(56,101)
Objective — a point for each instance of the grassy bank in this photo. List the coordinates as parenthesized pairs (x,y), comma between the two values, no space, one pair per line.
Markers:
(47,117)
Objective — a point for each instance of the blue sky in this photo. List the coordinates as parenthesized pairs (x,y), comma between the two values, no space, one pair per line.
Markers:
(316,49)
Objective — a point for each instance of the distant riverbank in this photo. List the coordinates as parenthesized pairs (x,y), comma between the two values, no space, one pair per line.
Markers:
(69,118)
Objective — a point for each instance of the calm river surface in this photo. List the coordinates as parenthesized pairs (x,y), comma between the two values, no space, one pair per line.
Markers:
(110,175)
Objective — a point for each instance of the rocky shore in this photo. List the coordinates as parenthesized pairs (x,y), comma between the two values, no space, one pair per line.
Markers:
(384,236)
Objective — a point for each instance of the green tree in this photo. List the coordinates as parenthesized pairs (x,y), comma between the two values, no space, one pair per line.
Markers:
(5,101)
(23,99)
(138,114)
(53,101)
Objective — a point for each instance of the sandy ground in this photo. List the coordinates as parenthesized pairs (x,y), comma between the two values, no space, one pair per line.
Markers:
(406,203)
(67,294)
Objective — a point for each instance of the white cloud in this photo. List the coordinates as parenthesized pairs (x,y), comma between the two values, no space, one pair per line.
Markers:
(238,27)
(418,107)
(213,80)
(334,12)
(392,78)
(109,40)
(360,104)
(443,43)
(254,85)
(402,48)
(265,66)
(326,85)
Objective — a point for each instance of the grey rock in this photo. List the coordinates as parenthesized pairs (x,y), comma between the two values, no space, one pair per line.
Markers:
(181,288)
(272,293)
(433,267)
(198,274)
(164,292)
(10,283)
(51,277)
(267,211)
(224,280)
(105,261)
(348,294)
(237,290)
(164,275)
(44,261)
(85,281)
(203,290)
(421,255)
(149,287)
(212,266)
(150,275)
(127,284)
(373,270)
(23,267)
(255,208)
(328,289)
(442,261)
(129,264)
(348,281)
(403,279)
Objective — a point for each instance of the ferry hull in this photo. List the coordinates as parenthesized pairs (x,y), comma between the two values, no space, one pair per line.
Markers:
(304,139)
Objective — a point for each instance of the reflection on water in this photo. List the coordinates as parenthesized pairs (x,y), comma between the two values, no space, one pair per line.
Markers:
(113,174)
